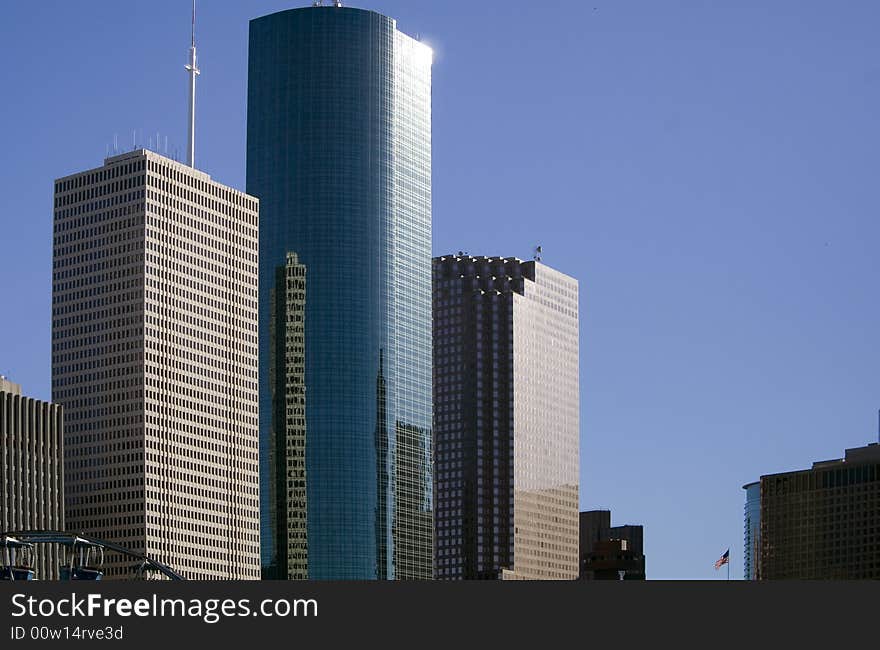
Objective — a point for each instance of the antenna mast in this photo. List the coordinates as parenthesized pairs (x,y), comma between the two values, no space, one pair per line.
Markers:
(193,72)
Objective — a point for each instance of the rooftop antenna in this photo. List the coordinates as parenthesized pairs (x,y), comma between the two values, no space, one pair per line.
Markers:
(538,252)
(193,72)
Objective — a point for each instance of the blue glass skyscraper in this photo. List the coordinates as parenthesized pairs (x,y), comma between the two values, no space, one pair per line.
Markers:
(752,531)
(339,154)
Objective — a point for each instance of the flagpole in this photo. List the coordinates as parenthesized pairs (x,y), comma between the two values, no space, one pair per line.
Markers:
(728,565)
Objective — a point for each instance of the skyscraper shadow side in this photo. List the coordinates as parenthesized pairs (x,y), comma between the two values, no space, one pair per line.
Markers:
(339,152)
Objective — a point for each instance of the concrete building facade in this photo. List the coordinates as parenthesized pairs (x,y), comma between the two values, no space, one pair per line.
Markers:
(154,358)
(31,470)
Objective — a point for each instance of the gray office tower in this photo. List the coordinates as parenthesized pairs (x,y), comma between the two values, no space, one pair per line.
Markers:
(31,471)
(339,154)
(506,419)
(154,358)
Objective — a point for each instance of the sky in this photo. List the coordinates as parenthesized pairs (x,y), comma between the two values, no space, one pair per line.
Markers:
(707,170)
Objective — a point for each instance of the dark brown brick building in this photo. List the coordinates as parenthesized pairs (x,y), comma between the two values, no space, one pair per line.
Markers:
(610,552)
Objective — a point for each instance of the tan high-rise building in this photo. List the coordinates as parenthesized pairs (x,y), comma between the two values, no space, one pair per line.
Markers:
(31,471)
(154,358)
(506,419)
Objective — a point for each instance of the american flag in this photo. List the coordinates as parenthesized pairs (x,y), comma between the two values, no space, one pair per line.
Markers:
(724,559)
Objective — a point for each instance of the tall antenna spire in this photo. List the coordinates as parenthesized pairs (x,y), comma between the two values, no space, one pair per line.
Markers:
(193,72)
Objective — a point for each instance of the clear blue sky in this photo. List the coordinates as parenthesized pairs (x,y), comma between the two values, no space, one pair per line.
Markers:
(707,170)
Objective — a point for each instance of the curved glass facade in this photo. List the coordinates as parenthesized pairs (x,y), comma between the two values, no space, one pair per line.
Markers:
(339,153)
(752,530)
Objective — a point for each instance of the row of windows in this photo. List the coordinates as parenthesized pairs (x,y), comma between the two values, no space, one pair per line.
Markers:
(98,211)
(172,171)
(106,173)
(193,222)
(177,239)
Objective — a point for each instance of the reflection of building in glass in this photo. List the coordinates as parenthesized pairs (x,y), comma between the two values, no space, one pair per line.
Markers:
(31,470)
(285,500)
(824,522)
(610,552)
(154,358)
(506,419)
(339,152)
(752,530)
(413,502)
